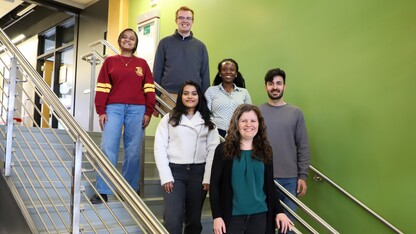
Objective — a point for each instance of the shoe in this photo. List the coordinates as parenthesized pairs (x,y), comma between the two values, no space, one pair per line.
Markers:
(97,200)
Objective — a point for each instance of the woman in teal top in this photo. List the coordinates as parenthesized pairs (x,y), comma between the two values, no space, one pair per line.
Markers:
(242,192)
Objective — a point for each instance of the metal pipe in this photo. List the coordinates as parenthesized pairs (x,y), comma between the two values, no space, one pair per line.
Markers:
(299,219)
(104,42)
(306,209)
(76,187)
(92,92)
(355,200)
(10,113)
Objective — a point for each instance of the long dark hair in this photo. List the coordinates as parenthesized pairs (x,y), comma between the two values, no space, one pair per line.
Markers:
(262,149)
(238,81)
(180,109)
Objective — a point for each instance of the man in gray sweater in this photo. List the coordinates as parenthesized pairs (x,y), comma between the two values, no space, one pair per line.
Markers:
(286,130)
(181,57)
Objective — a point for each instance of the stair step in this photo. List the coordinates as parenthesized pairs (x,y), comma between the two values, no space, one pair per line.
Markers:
(88,215)
(55,195)
(43,152)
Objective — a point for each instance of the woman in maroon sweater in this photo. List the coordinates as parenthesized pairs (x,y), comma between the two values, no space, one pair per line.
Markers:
(125,97)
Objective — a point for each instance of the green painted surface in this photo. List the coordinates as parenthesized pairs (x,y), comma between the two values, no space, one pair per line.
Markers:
(351,67)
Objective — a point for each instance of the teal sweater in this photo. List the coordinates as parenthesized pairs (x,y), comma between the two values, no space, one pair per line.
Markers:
(247,182)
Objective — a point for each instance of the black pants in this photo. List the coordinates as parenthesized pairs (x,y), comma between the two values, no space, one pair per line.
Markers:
(184,203)
(247,224)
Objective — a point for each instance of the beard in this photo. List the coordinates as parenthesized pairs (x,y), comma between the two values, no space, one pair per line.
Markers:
(274,97)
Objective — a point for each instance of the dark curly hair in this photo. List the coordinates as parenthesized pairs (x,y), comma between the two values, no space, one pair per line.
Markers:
(180,109)
(238,81)
(262,149)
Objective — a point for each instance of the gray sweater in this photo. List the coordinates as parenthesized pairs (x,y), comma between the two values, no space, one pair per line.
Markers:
(287,134)
(179,59)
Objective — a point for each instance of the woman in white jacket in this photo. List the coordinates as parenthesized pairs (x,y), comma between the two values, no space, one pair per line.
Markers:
(185,142)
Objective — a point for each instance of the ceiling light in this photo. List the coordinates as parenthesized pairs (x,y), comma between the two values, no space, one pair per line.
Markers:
(27,9)
(18,38)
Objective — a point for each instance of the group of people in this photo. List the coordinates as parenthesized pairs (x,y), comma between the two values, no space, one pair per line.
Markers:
(238,173)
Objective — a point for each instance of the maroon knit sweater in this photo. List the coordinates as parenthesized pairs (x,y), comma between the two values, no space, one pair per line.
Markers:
(125,80)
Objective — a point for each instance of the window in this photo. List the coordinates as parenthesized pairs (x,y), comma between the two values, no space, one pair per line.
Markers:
(56,65)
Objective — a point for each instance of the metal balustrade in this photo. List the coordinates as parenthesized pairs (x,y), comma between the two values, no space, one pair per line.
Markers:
(51,172)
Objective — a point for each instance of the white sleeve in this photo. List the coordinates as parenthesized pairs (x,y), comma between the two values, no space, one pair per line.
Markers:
(208,98)
(213,139)
(160,151)
(247,98)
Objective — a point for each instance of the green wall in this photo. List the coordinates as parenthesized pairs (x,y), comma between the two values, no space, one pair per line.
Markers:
(349,66)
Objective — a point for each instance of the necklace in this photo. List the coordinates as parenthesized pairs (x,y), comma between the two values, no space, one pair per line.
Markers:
(124,61)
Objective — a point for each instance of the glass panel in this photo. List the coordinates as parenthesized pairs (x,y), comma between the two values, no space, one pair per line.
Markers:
(47,74)
(66,80)
(68,32)
(49,40)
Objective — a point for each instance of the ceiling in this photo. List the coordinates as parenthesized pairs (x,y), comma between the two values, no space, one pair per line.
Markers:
(8,5)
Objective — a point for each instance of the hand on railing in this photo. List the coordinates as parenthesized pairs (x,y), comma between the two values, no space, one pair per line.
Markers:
(283,223)
(302,187)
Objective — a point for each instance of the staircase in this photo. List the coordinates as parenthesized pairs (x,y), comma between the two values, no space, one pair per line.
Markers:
(41,182)
(151,191)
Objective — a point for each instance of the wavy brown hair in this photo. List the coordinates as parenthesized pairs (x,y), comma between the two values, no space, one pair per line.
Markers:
(262,149)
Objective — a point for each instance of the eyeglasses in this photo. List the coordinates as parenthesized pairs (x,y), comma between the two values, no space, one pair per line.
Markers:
(183,18)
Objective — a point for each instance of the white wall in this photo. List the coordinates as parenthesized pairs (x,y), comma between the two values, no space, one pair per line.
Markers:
(93,25)
(29,47)
(24,107)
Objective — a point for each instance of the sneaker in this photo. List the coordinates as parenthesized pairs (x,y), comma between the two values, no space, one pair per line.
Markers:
(97,200)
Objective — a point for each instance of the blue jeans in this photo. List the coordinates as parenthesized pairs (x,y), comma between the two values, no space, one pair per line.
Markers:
(290,184)
(184,203)
(248,224)
(129,116)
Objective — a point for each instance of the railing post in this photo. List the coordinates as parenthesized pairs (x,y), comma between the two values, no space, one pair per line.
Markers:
(10,114)
(76,187)
(92,92)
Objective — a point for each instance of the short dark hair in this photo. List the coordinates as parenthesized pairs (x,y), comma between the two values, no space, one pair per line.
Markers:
(135,34)
(274,72)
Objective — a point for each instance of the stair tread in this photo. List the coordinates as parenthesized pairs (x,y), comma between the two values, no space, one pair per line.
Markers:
(60,186)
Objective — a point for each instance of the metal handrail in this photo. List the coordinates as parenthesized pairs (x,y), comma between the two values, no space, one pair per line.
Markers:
(321,175)
(105,43)
(76,131)
(306,209)
(299,219)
